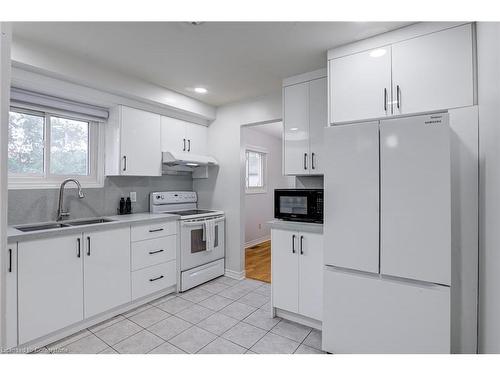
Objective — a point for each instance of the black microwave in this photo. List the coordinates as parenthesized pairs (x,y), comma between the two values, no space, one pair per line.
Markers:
(299,205)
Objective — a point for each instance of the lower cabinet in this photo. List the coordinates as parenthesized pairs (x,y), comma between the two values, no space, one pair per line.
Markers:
(297,271)
(369,313)
(50,285)
(106,270)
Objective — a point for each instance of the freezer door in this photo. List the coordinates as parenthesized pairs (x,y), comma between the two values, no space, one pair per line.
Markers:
(367,313)
(416,198)
(351,199)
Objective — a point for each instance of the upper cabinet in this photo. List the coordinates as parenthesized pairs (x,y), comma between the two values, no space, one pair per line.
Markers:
(182,136)
(304,118)
(133,145)
(360,85)
(410,74)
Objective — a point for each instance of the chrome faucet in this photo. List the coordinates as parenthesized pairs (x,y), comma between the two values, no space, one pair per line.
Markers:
(60,213)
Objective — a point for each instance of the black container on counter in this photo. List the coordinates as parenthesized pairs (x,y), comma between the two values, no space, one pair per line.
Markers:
(121,208)
(128,206)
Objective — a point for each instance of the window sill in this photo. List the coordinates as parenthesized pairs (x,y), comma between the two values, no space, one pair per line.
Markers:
(260,191)
(50,185)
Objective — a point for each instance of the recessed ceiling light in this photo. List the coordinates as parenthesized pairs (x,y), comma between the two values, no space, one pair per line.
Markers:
(378,52)
(200,90)
(294,129)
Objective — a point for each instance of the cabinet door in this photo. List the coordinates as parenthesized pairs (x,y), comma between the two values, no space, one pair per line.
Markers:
(140,143)
(296,129)
(318,120)
(434,72)
(352,196)
(173,134)
(285,269)
(370,314)
(415,239)
(106,270)
(50,285)
(360,86)
(196,138)
(11,297)
(311,275)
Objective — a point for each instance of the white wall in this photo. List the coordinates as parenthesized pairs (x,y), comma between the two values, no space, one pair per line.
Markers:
(224,189)
(259,207)
(488,48)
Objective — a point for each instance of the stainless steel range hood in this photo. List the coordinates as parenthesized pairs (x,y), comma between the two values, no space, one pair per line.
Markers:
(186,159)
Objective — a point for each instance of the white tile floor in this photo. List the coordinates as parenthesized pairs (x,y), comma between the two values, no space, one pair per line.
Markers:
(223,316)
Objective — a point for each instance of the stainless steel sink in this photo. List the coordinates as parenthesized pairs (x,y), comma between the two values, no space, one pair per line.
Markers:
(98,220)
(32,228)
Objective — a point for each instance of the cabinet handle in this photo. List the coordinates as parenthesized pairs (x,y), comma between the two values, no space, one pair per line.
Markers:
(312,161)
(301,251)
(10,260)
(155,230)
(88,246)
(124,163)
(189,145)
(155,252)
(385,99)
(184,142)
(157,278)
(293,244)
(78,248)
(305,160)
(398,96)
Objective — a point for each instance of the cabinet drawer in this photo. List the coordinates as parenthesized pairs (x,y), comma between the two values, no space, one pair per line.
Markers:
(150,252)
(155,230)
(153,279)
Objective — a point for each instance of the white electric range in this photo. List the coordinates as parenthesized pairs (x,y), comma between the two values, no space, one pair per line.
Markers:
(201,236)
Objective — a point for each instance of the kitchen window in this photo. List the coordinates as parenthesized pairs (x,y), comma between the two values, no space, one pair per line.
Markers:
(255,171)
(44,149)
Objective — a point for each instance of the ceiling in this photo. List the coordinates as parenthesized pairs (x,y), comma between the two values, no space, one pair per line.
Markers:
(274,129)
(233,60)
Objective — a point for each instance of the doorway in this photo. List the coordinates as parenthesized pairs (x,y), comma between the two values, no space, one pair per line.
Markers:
(262,146)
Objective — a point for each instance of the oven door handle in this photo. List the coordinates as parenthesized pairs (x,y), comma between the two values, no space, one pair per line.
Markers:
(199,222)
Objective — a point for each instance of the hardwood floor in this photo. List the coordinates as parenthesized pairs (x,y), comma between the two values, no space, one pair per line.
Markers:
(258,262)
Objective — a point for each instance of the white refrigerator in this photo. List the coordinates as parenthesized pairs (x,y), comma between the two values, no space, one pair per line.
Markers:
(387,236)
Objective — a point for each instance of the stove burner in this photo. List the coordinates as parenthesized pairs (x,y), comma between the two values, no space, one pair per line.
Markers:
(189,212)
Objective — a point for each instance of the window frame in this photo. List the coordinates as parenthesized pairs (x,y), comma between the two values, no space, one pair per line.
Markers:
(47,180)
(261,189)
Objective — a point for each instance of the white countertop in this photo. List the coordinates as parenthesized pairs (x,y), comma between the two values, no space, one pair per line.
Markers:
(296,226)
(14,234)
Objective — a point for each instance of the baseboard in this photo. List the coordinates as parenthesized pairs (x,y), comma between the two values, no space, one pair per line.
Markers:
(234,274)
(297,318)
(257,241)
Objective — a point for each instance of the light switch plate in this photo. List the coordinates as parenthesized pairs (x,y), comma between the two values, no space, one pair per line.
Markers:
(133,196)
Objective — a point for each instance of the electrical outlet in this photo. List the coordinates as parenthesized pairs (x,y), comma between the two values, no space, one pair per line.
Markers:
(133,196)
(260,226)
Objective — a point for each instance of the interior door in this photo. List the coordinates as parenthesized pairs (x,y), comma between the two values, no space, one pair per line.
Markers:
(434,71)
(173,134)
(352,196)
(285,269)
(296,129)
(106,270)
(318,120)
(50,285)
(196,136)
(360,86)
(311,275)
(140,143)
(416,198)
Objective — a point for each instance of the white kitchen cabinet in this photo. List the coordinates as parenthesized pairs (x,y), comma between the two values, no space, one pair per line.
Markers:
(50,285)
(360,85)
(415,241)
(106,270)
(133,143)
(352,196)
(366,313)
(182,136)
(434,71)
(11,297)
(304,118)
(285,266)
(297,263)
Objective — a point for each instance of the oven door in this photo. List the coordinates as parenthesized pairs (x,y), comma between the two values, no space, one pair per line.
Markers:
(194,245)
